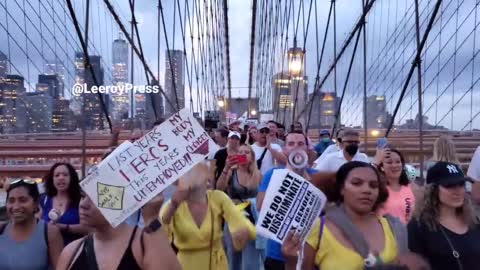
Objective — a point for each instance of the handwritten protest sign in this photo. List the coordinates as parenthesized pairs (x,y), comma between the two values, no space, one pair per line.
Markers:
(135,172)
(290,203)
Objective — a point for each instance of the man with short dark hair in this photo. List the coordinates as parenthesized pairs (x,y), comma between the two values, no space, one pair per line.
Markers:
(280,131)
(293,141)
(273,135)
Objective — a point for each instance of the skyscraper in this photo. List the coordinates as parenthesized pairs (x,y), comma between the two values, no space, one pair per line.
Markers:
(53,83)
(120,101)
(328,109)
(174,80)
(12,119)
(55,68)
(62,116)
(282,98)
(377,115)
(93,111)
(158,102)
(3,64)
(38,109)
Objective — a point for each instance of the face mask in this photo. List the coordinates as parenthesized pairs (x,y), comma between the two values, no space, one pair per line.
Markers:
(351,149)
(326,140)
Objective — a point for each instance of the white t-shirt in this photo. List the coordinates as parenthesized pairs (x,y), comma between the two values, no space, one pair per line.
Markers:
(333,148)
(268,160)
(474,168)
(333,161)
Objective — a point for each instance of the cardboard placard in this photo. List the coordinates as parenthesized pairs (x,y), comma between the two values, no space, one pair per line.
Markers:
(291,203)
(136,172)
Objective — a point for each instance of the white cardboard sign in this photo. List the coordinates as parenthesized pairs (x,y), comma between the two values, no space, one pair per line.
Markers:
(136,172)
(291,203)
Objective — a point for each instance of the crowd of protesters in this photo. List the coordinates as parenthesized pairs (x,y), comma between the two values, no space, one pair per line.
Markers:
(380,214)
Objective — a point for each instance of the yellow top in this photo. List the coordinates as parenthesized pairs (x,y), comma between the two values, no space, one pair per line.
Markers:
(197,249)
(333,255)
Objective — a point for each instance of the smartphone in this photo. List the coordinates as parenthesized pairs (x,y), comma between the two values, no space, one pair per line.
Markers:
(241,159)
(382,143)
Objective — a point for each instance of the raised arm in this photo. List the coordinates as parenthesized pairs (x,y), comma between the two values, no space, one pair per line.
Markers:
(55,244)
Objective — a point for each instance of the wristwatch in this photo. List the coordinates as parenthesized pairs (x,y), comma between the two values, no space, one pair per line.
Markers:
(153,226)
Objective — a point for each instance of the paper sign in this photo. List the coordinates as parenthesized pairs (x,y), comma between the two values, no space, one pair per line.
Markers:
(290,203)
(135,172)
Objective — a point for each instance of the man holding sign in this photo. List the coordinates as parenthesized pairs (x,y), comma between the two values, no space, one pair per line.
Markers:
(296,146)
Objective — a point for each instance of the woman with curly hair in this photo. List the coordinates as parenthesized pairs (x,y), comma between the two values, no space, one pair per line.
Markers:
(60,204)
(444,229)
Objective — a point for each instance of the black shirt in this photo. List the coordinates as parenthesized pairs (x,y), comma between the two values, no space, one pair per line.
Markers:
(434,247)
(220,160)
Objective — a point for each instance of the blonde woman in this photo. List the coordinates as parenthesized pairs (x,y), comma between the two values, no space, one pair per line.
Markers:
(444,229)
(194,219)
(240,180)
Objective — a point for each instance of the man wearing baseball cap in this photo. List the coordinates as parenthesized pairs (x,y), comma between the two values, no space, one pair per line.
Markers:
(222,154)
(325,142)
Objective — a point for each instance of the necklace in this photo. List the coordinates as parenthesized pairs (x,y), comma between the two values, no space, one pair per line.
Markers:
(455,253)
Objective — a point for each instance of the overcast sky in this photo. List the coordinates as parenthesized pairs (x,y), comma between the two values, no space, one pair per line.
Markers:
(386,76)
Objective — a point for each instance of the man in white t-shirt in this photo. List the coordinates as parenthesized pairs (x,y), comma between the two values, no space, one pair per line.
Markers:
(350,142)
(267,153)
(474,173)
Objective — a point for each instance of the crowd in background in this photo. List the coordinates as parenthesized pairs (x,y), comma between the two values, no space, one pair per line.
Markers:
(380,214)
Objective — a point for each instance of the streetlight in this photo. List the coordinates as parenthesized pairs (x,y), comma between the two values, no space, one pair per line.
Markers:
(221,103)
(253,112)
(295,62)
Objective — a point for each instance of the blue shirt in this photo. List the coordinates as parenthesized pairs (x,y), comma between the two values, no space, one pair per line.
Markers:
(274,249)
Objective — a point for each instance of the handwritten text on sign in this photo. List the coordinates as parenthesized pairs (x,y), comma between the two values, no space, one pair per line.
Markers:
(135,172)
(290,203)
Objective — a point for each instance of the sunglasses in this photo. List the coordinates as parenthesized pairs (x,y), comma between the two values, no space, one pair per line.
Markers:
(26,181)
(351,142)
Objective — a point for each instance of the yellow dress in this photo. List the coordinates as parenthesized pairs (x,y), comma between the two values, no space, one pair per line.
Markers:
(333,255)
(198,248)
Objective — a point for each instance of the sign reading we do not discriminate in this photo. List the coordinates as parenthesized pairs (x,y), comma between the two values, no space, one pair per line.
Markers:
(136,172)
(291,203)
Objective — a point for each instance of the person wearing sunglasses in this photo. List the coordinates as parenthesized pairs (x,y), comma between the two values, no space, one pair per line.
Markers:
(267,153)
(25,242)
(445,228)
(60,203)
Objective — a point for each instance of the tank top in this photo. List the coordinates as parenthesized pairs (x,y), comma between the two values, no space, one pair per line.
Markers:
(237,191)
(13,254)
(87,260)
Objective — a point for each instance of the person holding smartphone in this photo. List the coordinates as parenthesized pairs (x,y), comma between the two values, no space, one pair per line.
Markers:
(240,180)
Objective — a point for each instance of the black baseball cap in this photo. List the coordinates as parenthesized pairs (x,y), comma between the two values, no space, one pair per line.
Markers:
(446,174)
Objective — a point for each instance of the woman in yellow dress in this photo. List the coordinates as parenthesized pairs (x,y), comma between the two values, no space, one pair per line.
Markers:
(194,220)
(359,192)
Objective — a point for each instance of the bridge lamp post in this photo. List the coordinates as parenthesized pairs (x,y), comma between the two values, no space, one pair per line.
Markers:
(296,57)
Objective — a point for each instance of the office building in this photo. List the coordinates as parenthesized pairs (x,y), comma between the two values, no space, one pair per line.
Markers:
(120,101)
(56,68)
(174,81)
(377,115)
(38,109)
(12,118)
(53,83)
(63,118)
(3,64)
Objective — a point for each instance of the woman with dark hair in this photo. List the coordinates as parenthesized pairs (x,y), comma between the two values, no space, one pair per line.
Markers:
(351,235)
(401,200)
(445,229)
(124,247)
(60,205)
(25,242)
